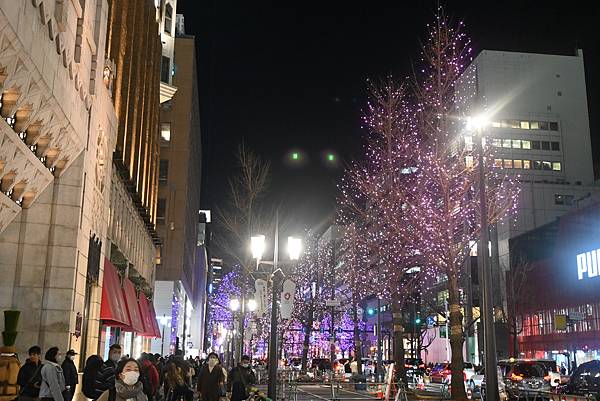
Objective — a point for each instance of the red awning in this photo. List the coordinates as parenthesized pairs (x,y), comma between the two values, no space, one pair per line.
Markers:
(113,311)
(154,322)
(132,307)
(147,317)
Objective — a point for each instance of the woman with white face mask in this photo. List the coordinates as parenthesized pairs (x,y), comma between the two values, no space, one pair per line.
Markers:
(53,382)
(128,386)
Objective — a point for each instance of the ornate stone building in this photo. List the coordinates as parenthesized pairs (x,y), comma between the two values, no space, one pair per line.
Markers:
(79,150)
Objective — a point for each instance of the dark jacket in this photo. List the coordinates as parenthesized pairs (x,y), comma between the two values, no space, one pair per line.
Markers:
(70,372)
(30,378)
(210,383)
(238,380)
(105,378)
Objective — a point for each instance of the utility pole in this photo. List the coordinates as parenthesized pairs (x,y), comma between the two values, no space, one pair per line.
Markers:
(332,346)
(273,362)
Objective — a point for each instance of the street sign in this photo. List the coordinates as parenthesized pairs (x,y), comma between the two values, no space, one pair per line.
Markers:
(576,316)
(333,302)
(261,295)
(430,321)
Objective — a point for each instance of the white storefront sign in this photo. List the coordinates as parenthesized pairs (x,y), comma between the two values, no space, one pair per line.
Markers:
(587,264)
(287,299)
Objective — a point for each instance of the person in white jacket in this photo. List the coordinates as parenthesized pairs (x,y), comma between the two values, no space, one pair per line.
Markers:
(53,380)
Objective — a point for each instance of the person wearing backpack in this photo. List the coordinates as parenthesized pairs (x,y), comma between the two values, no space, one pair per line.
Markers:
(128,386)
(90,372)
(29,377)
(148,376)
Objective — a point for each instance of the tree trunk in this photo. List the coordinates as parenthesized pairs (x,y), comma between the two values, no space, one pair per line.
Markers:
(398,340)
(456,339)
(307,332)
(357,342)
(515,336)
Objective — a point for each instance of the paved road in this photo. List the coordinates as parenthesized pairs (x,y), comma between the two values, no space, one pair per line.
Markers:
(316,392)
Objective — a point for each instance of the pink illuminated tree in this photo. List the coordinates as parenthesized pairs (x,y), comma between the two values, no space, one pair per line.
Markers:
(415,198)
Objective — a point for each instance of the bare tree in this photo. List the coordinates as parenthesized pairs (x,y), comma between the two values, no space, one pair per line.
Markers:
(515,282)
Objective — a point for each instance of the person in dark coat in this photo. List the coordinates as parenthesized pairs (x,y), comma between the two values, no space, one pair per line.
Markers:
(239,379)
(70,372)
(30,378)
(211,379)
(106,375)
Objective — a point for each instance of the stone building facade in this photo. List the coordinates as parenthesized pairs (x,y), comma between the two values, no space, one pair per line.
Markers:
(79,149)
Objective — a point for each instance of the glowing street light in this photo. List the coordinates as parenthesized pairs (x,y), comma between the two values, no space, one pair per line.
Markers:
(257,246)
(252,305)
(294,247)
(478,122)
(234,304)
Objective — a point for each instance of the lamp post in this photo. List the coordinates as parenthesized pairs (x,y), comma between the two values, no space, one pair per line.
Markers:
(257,245)
(478,124)
(164,320)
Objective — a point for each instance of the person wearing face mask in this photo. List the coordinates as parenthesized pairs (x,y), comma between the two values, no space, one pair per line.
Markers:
(105,378)
(211,379)
(128,386)
(70,373)
(239,379)
(53,381)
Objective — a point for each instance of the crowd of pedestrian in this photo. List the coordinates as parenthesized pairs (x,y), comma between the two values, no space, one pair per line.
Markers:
(151,377)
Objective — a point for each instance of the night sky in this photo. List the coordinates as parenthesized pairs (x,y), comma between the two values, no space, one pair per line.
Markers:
(286,77)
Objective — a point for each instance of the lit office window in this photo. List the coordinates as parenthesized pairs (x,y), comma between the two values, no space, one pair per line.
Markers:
(516,144)
(497,162)
(518,163)
(556,166)
(496,124)
(526,144)
(514,124)
(497,142)
(469,161)
(165,132)
(508,163)
(527,164)
(534,125)
(547,165)
(507,143)
(524,124)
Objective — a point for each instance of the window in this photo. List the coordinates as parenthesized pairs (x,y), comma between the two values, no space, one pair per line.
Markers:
(496,124)
(508,163)
(556,166)
(524,124)
(514,124)
(535,144)
(544,125)
(168,18)
(469,161)
(165,67)
(163,170)
(545,145)
(526,144)
(537,165)
(527,164)
(161,207)
(506,143)
(553,126)
(165,132)
(497,142)
(547,165)
(516,144)
(534,125)
(518,163)
(497,162)
(555,146)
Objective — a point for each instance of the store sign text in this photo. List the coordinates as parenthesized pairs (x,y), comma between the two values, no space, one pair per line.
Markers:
(587,264)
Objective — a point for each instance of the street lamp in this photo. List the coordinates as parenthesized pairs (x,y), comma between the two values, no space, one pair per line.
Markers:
(477,124)
(257,245)
(234,304)
(164,321)
(251,305)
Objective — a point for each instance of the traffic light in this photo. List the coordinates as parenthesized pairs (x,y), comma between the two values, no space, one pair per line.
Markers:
(371,311)
(418,320)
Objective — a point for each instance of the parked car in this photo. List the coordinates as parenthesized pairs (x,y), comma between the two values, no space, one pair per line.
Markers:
(414,367)
(321,364)
(441,373)
(585,381)
(526,377)
(368,366)
(295,363)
